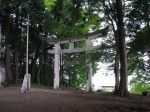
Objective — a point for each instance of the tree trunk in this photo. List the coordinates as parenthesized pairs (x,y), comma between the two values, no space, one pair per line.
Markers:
(116,70)
(117,63)
(123,90)
(16,46)
(44,79)
(16,64)
(39,70)
(20,49)
(38,74)
(34,60)
(8,64)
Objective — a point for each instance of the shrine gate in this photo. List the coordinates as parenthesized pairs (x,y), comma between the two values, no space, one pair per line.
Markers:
(71,49)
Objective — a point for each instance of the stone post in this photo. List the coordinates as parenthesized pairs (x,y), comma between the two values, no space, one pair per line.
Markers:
(26,85)
(28,82)
(88,66)
(56,66)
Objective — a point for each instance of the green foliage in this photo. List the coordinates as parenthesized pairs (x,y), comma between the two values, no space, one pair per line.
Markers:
(70,19)
(74,71)
(139,66)
(141,38)
(138,88)
(137,63)
(50,3)
(138,55)
(138,15)
(66,19)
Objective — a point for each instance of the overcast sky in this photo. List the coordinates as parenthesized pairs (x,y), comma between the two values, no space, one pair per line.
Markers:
(100,79)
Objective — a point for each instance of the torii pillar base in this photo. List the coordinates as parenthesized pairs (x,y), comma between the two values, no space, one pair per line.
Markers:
(26,86)
(89,78)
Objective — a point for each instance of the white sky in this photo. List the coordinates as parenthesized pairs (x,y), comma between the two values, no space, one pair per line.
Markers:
(100,79)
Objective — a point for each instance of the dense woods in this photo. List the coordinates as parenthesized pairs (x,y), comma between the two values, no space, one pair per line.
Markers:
(126,48)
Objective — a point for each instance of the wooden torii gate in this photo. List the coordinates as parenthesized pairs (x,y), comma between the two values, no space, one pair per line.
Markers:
(71,41)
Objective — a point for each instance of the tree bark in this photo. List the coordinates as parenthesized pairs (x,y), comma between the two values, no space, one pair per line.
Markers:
(39,74)
(116,70)
(8,64)
(16,46)
(20,47)
(7,53)
(16,64)
(113,19)
(34,60)
(123,90)
(117,63)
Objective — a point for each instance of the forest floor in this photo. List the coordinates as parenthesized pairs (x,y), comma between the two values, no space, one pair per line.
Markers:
(48,100)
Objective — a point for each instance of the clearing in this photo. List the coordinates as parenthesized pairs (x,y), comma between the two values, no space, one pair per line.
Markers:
(48,100)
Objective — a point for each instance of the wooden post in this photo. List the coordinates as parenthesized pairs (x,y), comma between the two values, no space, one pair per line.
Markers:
(88,66)
(56,66)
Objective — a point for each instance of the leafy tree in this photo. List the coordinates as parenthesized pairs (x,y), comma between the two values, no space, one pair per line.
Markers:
(139,58)
(139,47)
(138,15)
(13,19)
(138,88)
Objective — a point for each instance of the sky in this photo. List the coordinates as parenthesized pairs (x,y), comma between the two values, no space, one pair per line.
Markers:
(100,79)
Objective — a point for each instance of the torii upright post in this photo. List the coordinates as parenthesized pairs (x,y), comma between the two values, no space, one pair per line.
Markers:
(56,66)
(88,66)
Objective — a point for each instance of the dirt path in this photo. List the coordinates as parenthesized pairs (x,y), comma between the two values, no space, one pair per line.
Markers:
(41,100)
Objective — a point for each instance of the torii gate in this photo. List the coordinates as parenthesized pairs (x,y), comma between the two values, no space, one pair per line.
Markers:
(87,48)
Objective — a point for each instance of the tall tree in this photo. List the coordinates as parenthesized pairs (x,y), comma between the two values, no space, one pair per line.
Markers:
(108,8)
(7,25)
(123,89)
(139,60)
(138,30)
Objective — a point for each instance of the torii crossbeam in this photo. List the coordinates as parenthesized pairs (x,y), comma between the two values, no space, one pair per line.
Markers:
(71,49)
